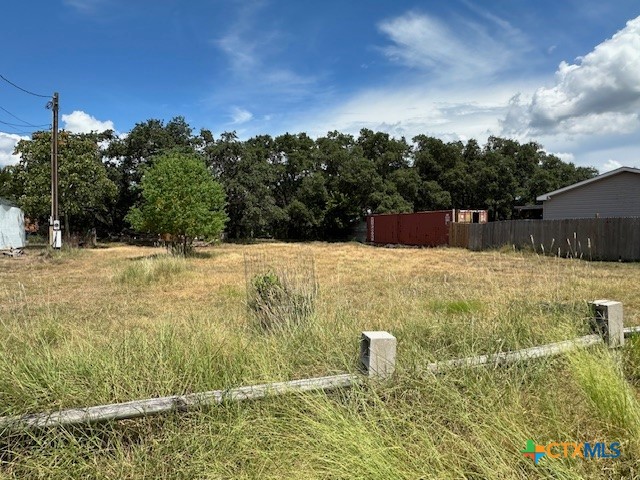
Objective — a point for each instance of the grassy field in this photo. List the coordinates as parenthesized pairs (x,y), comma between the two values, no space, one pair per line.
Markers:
(119,323)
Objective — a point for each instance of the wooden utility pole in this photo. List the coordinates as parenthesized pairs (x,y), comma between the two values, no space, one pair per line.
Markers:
(54,172)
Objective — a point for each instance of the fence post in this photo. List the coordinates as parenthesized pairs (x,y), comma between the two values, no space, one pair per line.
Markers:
(378,354)
(608,320)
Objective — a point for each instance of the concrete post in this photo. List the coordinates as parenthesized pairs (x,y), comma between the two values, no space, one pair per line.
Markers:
(378,354)
(608,321)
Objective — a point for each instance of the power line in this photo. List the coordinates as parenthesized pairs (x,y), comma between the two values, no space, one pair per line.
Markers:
(23,89)
(23,126)
(15,131)
(26,124)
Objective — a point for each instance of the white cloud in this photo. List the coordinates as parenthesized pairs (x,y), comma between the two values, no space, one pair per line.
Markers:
(8,142)
(253,49)
(81,122)
(410,110)
(461,57)
(469,66)
(565,156)
(612,156)
(84,6)
(466,48)
(610,165)
(599,94)
(595,150)
(240,115)
(241,52)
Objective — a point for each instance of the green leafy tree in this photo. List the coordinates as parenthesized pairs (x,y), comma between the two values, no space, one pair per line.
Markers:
(407,183)
(293,162)
(388,200)
(84,189)
(5,182)
(352,181)
(433,157)
(306,212)
(431,196)
(180,198)
(130,155)
(388,154)
(247,170)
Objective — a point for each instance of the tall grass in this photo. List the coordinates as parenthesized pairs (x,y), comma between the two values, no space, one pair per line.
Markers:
(90,341)
(148,270)
(601,380)
(280,294)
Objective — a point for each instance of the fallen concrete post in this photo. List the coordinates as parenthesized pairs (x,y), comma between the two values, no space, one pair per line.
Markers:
(379,350)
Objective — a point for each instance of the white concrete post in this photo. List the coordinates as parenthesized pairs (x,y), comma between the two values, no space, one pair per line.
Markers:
(609,321)
(378,354)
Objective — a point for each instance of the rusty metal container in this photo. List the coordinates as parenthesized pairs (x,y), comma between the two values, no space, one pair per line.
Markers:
(382,229)
(429,229)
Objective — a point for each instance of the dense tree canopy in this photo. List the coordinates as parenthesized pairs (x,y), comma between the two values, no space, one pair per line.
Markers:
(128,156)
(292,186)
(85,192)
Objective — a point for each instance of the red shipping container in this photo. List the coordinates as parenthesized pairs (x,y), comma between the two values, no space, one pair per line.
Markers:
(382,229)
(429,229)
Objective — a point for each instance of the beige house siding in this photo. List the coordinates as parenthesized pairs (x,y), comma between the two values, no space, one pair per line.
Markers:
(614,196)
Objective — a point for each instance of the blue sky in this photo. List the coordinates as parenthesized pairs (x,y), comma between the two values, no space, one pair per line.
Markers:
(563,73)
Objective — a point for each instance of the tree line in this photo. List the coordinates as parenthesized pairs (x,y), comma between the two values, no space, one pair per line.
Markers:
(290,186)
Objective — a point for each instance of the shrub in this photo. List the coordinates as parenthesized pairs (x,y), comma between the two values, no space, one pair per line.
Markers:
(276,303)
(182,199)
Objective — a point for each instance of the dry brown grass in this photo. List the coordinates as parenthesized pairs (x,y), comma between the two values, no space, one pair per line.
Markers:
(376,288)
(77,330)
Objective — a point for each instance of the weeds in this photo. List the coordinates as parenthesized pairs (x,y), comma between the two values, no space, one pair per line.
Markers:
(282,296)
(72,336)
(150,270)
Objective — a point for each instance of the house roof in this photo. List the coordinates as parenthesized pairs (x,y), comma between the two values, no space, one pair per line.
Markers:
(617,171)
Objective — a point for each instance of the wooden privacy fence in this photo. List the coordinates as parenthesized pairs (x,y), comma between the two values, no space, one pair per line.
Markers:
(377,361)
(609,239)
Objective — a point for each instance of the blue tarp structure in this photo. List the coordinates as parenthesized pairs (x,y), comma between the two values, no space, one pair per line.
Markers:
(12,234)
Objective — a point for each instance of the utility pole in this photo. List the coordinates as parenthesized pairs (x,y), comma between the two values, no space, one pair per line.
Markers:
(55,235)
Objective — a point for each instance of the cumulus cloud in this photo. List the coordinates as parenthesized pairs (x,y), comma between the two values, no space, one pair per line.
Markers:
(468,47)
(8,142)
(565,156)
(600,93)
(240,115)
(81,122)
(609,155)
(610,165)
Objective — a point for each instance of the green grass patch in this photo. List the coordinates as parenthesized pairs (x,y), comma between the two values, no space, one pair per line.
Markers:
(149,270)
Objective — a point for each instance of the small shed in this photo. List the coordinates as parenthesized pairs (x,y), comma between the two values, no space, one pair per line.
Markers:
(612,194)
(12,234)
